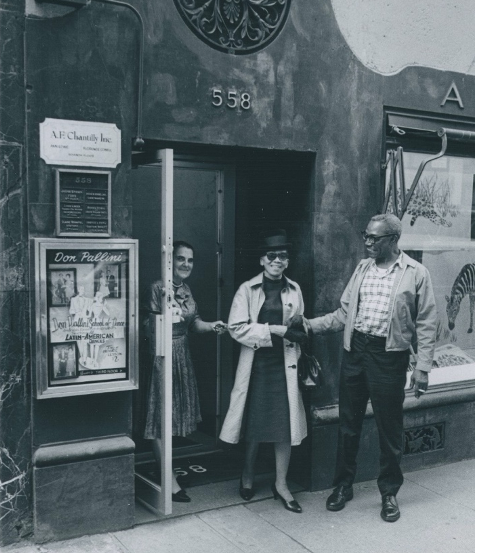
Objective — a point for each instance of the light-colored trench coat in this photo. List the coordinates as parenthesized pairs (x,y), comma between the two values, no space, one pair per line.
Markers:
(243,327)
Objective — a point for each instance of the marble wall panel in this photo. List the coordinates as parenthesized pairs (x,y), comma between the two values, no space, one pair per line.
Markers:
(84,498)
(15,437)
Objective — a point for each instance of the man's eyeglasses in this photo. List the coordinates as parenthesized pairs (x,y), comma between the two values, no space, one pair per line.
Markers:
(375,238)
(282,256)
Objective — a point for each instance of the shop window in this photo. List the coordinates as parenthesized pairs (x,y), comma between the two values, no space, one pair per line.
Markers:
(438,230)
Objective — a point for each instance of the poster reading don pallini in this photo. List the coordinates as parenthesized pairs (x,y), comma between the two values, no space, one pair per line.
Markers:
(87,304)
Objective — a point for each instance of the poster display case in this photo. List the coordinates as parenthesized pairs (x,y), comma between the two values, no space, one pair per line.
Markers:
(86,310)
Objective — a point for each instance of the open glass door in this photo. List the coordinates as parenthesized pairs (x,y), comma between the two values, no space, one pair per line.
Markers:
(183,199)
(155,255)
(163,340)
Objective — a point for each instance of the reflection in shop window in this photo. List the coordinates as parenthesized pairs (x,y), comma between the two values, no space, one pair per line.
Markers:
(438,231)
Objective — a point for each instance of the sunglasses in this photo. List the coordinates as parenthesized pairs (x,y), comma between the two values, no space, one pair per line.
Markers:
(374,238)
(282,256)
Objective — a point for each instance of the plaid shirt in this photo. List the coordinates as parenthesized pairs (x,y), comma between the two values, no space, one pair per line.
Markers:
(374,298)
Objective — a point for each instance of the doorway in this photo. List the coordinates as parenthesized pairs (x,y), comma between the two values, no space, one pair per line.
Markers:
(220,205)
(203,216)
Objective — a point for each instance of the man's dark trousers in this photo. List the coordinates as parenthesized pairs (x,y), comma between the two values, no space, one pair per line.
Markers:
(369,372)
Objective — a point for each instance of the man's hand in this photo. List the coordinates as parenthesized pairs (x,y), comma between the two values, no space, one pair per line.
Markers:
(419,382)
(299,322)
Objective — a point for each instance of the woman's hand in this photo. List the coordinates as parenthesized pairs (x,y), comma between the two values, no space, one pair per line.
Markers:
(219,327)
(278,330)
(177,314)
(295,335)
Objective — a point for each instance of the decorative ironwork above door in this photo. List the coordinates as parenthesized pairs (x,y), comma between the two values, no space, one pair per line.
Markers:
(235,26)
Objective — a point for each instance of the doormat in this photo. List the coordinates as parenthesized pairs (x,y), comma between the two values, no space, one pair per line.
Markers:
(194,471)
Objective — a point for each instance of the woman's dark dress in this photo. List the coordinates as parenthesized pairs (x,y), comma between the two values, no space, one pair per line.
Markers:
(268,412)
(185,396)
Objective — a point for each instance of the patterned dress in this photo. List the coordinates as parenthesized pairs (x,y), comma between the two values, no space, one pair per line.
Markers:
(185,397)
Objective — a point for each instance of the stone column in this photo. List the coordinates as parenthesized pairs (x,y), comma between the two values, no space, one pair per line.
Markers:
(15,436)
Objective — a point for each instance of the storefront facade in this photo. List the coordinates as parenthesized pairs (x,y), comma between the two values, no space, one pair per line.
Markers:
(290,122)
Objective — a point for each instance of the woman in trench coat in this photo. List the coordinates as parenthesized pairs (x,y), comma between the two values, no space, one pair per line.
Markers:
(265,402)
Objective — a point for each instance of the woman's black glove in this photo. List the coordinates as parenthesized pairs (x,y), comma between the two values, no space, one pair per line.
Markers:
(296,322)
(295,335)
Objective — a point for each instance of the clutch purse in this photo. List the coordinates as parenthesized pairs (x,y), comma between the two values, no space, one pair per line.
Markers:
(310,374)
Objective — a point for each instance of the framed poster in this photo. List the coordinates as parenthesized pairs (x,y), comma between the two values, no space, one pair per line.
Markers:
(83,203)
(86,316)
(64,361)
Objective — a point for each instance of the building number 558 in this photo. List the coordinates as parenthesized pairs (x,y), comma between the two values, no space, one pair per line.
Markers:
(233,99)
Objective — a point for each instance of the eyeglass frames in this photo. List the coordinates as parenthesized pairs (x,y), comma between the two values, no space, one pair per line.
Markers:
(373,239)
(282,256)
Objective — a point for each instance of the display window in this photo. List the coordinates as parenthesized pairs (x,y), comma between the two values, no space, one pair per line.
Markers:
(438,231)
(86,306)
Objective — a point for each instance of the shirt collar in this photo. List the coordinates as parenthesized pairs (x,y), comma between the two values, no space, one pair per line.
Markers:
(258,280)
(399,261)
(182,292)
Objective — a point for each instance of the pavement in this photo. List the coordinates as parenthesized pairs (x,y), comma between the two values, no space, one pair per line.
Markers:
(437,515)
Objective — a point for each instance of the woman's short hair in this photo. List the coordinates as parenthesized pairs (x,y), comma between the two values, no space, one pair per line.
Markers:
(181,244)
(393,223)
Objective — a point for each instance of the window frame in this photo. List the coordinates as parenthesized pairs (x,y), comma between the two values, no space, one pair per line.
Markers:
(421,137)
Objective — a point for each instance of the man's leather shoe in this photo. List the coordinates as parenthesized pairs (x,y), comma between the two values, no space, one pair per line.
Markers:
(338,498)
(390,511)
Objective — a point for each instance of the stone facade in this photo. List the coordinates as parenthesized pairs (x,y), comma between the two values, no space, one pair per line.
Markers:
(312,91)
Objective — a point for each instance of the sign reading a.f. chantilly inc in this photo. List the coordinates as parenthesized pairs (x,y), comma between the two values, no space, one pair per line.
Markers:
(80,143)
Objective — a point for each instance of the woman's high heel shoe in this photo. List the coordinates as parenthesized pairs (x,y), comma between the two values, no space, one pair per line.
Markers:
(246,494)
(180,496)
(292,506)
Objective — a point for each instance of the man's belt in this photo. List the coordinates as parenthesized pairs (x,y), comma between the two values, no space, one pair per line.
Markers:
(369,336)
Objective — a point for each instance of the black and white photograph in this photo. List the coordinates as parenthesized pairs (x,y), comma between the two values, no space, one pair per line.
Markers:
(107,280)
(237,301)
(62,286)
(65,361)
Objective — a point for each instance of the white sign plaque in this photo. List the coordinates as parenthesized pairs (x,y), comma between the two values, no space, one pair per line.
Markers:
(80,143)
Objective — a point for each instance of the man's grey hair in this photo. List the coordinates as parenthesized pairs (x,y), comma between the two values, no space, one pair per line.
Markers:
(393,223)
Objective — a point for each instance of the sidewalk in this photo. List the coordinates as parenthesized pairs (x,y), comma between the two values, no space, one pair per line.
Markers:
(437,515)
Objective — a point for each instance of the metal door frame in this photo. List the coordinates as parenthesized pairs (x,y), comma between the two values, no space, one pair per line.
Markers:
(164,332)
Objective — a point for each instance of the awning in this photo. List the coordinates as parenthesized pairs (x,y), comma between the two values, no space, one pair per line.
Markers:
(426,126)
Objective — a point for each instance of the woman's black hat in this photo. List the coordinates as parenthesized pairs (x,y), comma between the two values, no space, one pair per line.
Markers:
(271,240)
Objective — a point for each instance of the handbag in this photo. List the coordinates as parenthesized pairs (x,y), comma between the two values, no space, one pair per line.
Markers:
(310,374)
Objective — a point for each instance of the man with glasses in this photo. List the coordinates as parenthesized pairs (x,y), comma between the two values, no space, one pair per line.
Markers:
(387,308)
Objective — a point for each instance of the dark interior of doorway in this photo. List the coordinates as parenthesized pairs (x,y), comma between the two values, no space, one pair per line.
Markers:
(273,190)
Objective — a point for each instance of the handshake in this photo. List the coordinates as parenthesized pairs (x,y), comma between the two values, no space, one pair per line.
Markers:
(297,330)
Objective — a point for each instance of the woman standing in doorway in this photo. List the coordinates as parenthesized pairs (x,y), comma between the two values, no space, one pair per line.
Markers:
(266,397)
(185,397)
